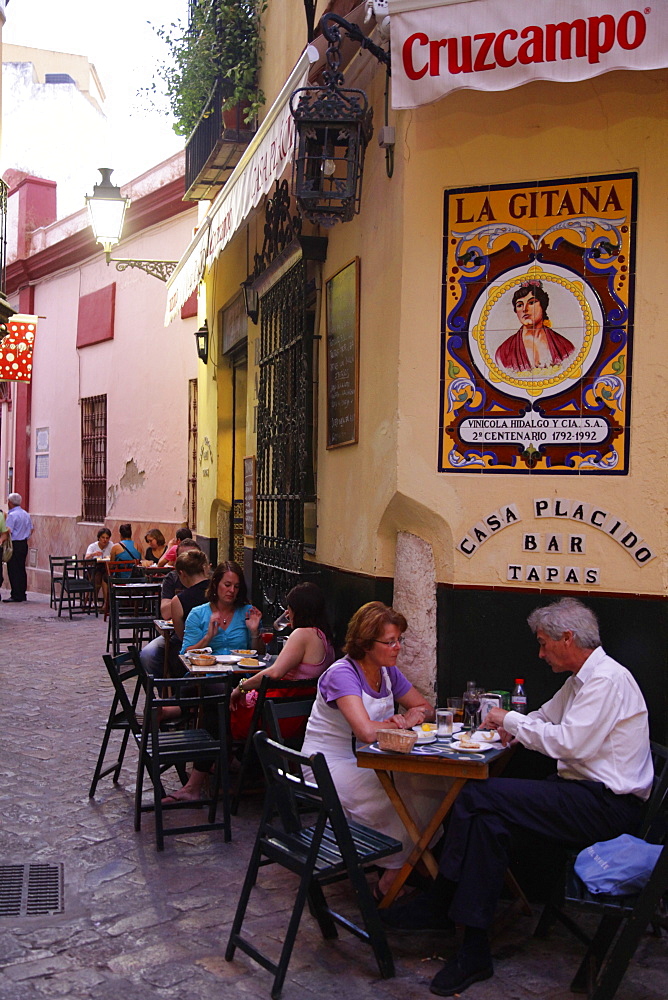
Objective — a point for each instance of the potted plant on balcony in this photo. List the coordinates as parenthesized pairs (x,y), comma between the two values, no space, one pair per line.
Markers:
(221,45)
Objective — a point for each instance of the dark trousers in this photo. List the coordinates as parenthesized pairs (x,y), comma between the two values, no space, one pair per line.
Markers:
(16,570)
(487,814)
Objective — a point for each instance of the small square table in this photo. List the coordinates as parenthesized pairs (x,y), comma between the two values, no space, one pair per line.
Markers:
(439,758)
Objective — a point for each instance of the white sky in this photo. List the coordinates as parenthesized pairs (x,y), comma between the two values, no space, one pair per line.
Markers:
(124,49)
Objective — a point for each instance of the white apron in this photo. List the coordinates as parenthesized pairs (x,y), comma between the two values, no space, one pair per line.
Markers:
(362,796)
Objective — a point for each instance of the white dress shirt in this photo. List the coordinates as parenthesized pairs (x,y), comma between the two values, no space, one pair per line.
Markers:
(19,523)
(595,726)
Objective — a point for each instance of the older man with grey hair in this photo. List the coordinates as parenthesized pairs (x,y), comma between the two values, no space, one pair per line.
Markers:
(20,526)
(596,728)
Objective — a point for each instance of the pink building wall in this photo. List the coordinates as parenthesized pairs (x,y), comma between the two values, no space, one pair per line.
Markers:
(143,370)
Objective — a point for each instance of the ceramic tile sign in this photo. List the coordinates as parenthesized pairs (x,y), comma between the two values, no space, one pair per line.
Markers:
(537,323)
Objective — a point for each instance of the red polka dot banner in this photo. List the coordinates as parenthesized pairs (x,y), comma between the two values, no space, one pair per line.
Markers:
(16,349)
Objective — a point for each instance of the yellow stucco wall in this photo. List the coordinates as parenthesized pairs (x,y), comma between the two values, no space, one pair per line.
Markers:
(390,482)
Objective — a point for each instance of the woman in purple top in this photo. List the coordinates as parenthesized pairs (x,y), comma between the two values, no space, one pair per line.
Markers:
(356,696)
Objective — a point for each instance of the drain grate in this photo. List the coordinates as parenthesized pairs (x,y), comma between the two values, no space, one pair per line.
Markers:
(30,890)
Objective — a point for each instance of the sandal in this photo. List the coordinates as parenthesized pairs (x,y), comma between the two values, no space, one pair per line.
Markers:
(379,896)
(170,800)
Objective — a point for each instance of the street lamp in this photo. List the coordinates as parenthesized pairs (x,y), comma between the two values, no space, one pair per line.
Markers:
(107,208)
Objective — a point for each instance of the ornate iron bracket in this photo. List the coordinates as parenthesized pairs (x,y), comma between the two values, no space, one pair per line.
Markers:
(280,227)
(161,269)
(330,24)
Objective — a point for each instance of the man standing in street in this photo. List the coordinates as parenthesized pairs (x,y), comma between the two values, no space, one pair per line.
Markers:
(20,526)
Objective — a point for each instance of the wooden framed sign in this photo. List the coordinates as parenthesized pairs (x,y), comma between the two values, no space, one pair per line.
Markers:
(249,496)
(342,301)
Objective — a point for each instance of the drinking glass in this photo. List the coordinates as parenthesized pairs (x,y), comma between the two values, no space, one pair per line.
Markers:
(282,622)
(456,707)
(267,635)
(443,722)
(471,710)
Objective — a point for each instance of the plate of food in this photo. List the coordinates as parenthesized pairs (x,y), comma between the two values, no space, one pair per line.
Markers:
(214,668)
(471,743)
(486,736)
(227,658)
(426,733)
(202,660)
(248,662)
(244,652)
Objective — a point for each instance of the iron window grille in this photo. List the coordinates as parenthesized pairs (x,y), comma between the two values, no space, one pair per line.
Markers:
(285,475)
(94,458)
(192,454)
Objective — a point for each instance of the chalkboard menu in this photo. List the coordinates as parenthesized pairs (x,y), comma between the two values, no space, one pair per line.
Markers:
(342,299)
(249,496)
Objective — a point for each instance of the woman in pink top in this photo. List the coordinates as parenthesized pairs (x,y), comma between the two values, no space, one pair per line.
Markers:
(307,654)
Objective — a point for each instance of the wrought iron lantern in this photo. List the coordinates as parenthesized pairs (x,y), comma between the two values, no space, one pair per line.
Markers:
(251,299)
(333,126)
(202,338)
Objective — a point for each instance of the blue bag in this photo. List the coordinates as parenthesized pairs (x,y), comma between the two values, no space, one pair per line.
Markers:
(618,867)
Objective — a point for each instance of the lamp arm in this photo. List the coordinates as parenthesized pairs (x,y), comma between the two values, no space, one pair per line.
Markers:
(333,36)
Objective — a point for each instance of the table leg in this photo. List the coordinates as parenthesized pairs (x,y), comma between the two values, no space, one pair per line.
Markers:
(422,840)
(165,662)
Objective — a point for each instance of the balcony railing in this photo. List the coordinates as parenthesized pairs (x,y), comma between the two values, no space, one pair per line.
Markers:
(214,148)
(5,309)
(3,233)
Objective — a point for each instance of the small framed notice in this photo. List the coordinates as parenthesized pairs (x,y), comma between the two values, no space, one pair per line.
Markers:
(342,298)
(249,496)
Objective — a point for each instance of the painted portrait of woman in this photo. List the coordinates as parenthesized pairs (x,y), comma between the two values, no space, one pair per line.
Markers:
(535,345)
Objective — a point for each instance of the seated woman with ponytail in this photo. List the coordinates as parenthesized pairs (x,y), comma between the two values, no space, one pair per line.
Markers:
(307,653)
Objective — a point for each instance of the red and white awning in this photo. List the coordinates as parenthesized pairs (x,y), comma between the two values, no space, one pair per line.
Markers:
(439,46)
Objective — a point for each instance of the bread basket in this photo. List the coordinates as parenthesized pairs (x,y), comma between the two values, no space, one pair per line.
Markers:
(399,740)
(202,659)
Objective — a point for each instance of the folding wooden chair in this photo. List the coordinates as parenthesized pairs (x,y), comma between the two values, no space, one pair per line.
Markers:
(122,715)
(133,607)
(77,585)
(153,573)
(160,749)
(56,571)
(290,690)
(624,919)
(325,850)
(277,713)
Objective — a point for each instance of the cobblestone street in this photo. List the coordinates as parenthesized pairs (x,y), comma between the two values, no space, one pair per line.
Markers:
(138,923)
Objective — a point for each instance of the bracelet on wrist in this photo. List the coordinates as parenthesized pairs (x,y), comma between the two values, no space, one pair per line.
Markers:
(240,685)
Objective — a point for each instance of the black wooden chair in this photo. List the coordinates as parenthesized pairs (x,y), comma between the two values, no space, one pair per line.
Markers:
(56,571)
(289,690)
(624,919)
(277,713)
(126,680)
(159,749)
(324,851)
(78,587)
(133,607)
